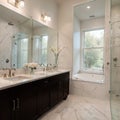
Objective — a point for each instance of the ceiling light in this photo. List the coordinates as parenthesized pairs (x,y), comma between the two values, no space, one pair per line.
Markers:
(88,7)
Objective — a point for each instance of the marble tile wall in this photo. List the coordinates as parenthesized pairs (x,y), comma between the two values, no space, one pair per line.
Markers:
(66,58)
(6,35)
(88,89)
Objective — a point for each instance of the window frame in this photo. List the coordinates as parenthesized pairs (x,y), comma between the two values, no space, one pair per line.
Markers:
(43,49)
(82,69)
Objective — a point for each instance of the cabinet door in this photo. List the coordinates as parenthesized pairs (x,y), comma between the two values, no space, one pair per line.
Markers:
(25,102)
(54,87)
(66,84)
(6,106)
(43,96)
(60,88)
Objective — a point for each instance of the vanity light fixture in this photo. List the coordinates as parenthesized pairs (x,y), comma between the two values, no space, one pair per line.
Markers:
(12,2)
(45,18)
(88,7)
(20,3)
(17,3)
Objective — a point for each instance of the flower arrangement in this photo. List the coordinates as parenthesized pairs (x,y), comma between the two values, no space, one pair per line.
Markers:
(32,66)
(56,52)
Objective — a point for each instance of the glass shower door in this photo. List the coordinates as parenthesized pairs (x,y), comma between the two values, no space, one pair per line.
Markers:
(115,59)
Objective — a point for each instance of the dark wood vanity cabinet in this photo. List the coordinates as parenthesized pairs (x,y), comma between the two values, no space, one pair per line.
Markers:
(43,95)
(54,85)
(65,85)
(59,88)
(18,103)
(6,108)
(30,100)
(25,96)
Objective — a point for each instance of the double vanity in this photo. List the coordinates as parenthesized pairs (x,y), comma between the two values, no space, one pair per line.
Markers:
(27,40)
(27,97)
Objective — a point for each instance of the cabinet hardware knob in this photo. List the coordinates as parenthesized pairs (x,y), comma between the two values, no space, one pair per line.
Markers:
(13,105)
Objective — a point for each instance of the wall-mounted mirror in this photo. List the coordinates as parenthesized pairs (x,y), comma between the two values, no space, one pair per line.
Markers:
(88,41)
(24,40)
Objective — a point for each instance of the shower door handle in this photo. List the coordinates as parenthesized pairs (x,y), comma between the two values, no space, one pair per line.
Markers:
(110,91)
(115,59)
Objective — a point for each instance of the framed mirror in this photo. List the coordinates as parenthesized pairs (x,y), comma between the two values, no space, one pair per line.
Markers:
(24,40)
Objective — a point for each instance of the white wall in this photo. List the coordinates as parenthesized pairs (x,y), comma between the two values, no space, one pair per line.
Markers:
(66,39)
(93,24)
(76,45)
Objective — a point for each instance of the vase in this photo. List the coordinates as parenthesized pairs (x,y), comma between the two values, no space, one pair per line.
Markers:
(56,61)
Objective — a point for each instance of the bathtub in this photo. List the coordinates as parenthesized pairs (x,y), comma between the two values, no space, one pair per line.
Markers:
(88,77)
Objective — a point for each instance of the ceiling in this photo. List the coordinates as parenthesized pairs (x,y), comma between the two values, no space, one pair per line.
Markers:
(58,1)
(97,10)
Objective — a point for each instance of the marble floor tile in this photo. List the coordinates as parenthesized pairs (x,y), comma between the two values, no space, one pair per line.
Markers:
(79,108)
(115,107)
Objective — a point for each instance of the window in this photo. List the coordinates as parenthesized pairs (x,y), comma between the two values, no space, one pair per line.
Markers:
(40,48)
(92,50)
(44,49)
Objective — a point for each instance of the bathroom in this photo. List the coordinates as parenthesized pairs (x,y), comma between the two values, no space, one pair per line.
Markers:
(51,33)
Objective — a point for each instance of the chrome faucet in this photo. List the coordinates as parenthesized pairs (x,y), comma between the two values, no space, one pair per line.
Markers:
(10,73)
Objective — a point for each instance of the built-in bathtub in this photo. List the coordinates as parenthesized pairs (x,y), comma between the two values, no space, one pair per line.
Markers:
(88,77)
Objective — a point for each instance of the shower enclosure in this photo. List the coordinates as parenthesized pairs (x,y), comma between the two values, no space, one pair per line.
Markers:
(115,59)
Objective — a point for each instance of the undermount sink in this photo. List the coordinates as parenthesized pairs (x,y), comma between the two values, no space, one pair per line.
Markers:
(40,73)
(20,77)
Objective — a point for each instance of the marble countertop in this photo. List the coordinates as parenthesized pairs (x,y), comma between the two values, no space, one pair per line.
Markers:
(26,78)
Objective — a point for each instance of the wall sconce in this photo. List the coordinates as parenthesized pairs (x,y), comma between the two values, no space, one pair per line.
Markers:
(17,3)
(45,18)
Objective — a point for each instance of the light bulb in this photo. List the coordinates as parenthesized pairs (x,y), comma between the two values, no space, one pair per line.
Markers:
(45,18)
(21,4)
(49,19)
(88,7)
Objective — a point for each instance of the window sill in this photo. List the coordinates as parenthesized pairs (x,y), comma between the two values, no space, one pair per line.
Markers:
(92,72)
(87,77)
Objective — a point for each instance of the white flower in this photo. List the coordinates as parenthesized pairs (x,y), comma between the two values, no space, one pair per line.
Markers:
(31,65)
(56,51)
